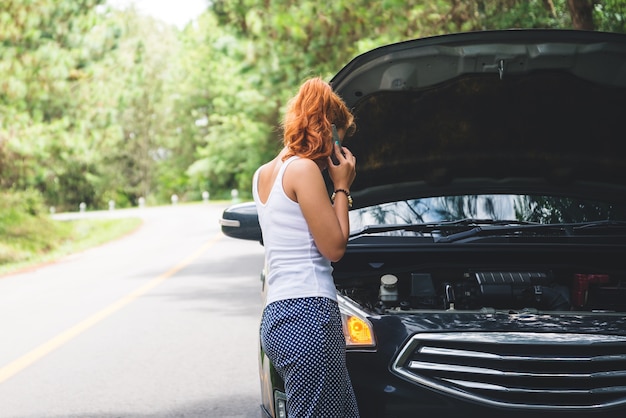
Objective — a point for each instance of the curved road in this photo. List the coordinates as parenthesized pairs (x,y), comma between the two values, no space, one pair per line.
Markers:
(161,323)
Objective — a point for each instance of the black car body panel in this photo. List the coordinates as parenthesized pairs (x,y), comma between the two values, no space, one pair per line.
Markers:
(488,249)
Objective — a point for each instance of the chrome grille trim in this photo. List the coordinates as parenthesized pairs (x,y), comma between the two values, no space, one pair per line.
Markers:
(418,365)
(478,354)
(477,385)
(519,370)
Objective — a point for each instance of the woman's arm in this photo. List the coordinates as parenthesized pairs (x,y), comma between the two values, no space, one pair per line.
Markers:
(328,223)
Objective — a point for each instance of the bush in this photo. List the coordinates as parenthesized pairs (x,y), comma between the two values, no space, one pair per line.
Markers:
(28,235)
(25,227)
(21,202)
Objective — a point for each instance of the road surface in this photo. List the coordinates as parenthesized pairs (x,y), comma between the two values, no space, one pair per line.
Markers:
(160,323)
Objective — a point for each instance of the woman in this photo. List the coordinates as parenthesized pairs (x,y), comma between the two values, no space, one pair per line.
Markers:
(303,231)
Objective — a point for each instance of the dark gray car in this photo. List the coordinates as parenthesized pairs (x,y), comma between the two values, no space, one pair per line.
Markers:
(486,271)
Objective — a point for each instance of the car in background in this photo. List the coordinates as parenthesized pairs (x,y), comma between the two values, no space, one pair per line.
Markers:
(485,274)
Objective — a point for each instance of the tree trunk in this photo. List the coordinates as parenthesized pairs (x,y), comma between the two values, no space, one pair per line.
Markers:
(549,5)
(582,13)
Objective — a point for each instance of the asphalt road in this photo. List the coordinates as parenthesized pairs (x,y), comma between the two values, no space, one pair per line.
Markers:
(161,323)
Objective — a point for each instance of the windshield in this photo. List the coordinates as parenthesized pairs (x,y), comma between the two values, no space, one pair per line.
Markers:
(521,208)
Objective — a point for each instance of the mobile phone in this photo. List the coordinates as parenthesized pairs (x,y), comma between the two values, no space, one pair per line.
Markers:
(336,139)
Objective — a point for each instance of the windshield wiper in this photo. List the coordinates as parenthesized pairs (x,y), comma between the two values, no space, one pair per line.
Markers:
(477,222)
(566,229)
(462,224)
(466,228)
(374,229)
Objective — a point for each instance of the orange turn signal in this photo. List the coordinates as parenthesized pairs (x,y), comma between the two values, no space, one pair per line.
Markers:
(359,332)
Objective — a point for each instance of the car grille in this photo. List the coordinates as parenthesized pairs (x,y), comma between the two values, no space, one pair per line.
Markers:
(521,370)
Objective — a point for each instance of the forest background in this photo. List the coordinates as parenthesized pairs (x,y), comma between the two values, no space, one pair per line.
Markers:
(101,105)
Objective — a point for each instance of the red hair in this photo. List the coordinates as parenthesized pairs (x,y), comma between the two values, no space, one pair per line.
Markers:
(307,125)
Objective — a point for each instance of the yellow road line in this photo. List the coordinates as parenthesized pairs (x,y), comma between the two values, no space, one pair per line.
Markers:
(36,354)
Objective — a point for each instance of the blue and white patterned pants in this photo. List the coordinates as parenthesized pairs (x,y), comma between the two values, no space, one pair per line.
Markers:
(304,340)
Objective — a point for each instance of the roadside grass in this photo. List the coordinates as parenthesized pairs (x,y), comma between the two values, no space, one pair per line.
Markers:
(27,240)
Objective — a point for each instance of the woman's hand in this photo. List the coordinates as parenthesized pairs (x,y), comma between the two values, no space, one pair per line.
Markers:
(343,173)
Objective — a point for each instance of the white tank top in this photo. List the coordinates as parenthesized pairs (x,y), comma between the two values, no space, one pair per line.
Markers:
(294,266)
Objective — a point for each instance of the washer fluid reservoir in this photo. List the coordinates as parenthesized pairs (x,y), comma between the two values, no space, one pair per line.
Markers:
(388,288)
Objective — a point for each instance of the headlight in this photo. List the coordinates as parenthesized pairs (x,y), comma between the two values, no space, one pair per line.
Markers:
(356,327)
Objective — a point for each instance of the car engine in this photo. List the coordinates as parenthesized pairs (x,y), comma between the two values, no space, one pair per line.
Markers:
(479,289)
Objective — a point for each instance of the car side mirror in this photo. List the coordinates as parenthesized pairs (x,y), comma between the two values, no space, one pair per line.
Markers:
(241,221)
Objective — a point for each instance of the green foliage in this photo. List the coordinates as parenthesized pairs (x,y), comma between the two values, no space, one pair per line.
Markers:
(224,111)
(43,61)
(610,15)
(522,14)
(42,54)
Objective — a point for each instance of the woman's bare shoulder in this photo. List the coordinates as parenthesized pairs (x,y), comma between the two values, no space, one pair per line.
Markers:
(303,166)
(302,173)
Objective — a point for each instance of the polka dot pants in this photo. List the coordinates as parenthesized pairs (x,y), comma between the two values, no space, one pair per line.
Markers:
(304,340)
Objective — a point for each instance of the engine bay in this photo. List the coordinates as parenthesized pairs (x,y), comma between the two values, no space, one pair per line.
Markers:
(473,286)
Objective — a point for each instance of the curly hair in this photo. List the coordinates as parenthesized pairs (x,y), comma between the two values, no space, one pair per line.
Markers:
(307,126)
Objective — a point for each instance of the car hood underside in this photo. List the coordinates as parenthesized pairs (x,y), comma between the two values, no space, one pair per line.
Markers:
(527,108)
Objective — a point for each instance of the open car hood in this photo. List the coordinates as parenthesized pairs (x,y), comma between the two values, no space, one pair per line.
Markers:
(499,111)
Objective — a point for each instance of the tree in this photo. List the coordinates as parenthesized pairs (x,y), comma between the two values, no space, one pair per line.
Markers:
(134,89)
(83,100)
(42,62)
